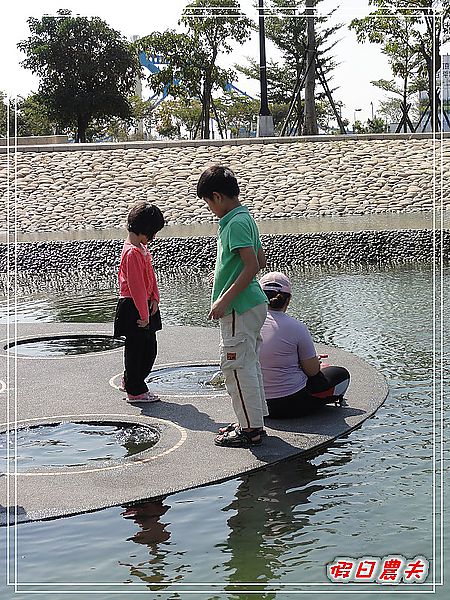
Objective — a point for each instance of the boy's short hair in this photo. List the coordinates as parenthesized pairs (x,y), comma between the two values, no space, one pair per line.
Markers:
(145,218)
(217,179)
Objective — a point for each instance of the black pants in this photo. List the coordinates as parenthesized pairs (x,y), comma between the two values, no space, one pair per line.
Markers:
(139,356)
(140,345)
(324,388)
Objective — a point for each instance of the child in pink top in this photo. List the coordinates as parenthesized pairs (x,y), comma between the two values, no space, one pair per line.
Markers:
(137,313)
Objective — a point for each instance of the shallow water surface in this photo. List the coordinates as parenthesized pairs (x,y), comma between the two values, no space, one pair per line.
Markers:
(270,534)
(192,379)
(72,444)
(56,346)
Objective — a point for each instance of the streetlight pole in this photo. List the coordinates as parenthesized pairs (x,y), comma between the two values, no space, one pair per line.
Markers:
(265,119)
(371,105)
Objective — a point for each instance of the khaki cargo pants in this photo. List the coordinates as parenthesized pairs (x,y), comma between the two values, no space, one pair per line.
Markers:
(239,361)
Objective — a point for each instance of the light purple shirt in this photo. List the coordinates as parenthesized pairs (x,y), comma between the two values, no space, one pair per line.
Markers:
(286,341)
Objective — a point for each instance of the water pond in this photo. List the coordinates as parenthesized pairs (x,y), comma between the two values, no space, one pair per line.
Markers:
(269,534)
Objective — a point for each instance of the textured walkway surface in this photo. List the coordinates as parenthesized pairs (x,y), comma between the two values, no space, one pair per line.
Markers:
(81,388)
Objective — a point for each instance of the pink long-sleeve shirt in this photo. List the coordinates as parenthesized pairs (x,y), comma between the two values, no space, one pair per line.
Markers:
(137,278)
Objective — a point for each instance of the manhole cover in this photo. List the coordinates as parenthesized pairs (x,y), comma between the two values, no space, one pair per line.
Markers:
(187,379)
(74,444)
(68,345)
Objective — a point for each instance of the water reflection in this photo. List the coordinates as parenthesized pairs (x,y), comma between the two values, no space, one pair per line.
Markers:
(147,515)
(273,512)
(153,534)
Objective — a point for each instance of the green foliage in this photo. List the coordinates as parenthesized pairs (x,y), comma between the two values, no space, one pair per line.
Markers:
(173,116)
(124,130)
(190,68)
(392,108)
(280,78)
(288,32)
(286,27)
(410,37)
(375,125)
(31,117)
(216,28)
(238,113)
(86,69)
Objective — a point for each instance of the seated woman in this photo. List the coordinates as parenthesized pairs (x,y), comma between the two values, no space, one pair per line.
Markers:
(294,383)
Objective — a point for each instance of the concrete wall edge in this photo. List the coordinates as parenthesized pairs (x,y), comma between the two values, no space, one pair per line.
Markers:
(232,142)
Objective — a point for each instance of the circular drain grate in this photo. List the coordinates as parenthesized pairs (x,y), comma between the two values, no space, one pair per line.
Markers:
(67,345)
(187,379)
(74,444)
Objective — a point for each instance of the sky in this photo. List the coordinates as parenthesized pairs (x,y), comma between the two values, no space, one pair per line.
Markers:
(359,64)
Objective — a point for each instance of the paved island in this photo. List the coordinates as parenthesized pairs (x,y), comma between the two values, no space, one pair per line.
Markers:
(81,389)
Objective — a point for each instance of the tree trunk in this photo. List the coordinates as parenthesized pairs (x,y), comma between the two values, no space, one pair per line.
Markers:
(310,120)
(405,101)
(82,124)
(207,107)
(299,116)
(431,73)
(298,129)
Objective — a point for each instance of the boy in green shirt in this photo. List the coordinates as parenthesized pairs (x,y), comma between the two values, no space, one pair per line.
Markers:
(239,303)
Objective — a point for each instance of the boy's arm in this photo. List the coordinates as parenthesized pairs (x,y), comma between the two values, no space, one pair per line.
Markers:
(261,258)
(251,267)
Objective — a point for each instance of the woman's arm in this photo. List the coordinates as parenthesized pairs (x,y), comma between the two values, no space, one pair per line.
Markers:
(310,366)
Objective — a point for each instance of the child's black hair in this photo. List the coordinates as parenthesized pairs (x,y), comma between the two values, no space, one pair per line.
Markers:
(217,179)
(145,218)
(276,299)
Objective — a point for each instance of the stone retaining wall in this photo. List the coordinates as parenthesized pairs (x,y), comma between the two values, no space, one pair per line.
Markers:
(87,189)
(336,249)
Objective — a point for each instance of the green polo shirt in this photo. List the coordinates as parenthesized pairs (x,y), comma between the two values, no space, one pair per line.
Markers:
(237,229)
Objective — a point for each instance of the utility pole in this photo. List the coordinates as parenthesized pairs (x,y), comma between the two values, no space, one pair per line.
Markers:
(310,122)
(264,126)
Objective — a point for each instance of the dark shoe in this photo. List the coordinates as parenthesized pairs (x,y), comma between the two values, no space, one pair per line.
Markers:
(233,427)
(239,439)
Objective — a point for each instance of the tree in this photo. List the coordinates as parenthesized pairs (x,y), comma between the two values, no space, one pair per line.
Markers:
(405,100)
(29,114)
(86,69)
(190,69)
(172,116)
(280,89)
(287,27)
(411,37)
(375,125)
(238,113)
(33,117)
